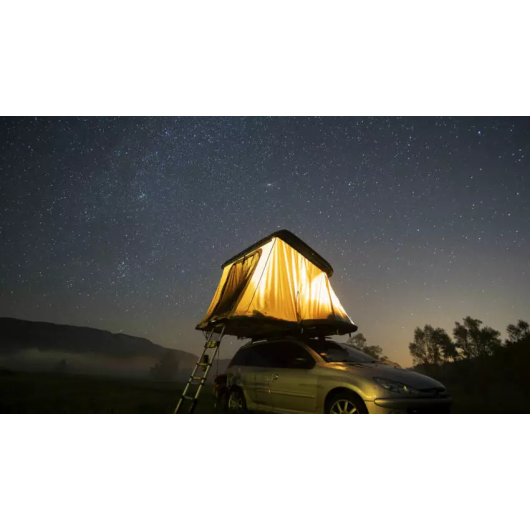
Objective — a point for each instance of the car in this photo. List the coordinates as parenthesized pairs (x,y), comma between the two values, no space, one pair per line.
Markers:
(294,375)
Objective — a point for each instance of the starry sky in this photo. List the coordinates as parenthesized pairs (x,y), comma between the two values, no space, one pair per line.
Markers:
(122,223)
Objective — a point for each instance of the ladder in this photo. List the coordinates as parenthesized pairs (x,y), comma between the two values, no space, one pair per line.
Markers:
(196,382)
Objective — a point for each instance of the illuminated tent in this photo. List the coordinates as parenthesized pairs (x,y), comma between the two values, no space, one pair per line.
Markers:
(278,285)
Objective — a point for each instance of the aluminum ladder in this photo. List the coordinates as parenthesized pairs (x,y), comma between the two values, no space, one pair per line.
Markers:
(196,382)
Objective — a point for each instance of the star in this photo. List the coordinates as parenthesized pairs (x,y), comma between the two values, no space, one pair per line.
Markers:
(124,222)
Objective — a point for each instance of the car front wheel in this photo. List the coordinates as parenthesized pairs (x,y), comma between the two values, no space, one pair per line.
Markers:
(236,402)
(345,403)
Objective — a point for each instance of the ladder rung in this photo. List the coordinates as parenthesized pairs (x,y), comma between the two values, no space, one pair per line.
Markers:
(200,381)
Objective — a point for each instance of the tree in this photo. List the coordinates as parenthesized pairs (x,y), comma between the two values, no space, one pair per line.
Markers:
(167,368)
(431,346)
(447,346)
(518,332)
(474,340)
(358,341)
(375,352)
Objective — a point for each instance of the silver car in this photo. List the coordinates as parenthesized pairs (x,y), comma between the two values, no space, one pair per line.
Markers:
(323,376)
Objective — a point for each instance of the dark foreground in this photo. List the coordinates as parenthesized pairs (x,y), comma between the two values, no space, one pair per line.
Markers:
(44,393)
(24,392)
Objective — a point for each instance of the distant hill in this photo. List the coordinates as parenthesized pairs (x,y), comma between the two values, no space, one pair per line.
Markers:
(46,346)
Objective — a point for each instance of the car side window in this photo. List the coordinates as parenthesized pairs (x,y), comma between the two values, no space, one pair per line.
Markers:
(286,355)
(240,358)
(257,356)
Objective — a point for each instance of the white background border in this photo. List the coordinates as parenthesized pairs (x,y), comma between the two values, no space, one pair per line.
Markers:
(263,58)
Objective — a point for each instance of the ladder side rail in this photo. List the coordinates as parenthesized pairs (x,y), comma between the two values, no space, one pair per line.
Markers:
(197,364)
(206,372)
(201,384)
(190,379)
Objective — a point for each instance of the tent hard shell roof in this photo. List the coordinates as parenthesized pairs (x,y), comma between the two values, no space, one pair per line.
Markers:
(279,285)
(294,242)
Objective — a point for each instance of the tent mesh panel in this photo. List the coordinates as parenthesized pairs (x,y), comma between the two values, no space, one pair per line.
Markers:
(237,280)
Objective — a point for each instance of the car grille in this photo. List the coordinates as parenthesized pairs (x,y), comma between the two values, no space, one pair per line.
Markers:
(435,392)
(434,408)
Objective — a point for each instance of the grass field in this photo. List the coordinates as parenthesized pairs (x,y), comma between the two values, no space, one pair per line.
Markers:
(42,393)
(25,392)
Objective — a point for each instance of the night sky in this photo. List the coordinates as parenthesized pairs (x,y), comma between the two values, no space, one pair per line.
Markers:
(122,223)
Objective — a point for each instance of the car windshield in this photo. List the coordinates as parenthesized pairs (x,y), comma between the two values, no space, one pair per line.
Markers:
(333,352)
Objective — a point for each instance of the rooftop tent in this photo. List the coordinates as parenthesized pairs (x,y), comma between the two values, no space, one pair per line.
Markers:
(278,285)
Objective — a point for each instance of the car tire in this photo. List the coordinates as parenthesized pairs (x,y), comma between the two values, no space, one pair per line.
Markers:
(236,402)
(345,403)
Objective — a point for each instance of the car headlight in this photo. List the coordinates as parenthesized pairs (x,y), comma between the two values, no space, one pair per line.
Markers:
(394,386)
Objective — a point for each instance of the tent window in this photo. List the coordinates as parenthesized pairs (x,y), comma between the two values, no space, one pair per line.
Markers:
(235,284)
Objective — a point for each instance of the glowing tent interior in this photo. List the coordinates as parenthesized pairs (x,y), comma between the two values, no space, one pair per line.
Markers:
(278,285)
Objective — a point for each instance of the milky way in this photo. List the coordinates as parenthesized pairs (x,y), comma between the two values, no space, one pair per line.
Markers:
(123,223)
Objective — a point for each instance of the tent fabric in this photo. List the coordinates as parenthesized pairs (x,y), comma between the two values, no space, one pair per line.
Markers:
(235,283)
(274,288)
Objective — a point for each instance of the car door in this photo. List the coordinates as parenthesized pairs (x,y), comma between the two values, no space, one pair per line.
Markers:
(293,384)
(258,363)
(241,373)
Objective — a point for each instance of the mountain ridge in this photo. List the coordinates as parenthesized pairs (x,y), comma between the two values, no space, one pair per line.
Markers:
(44,340)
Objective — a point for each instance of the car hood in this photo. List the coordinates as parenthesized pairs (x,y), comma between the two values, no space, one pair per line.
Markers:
(407,377)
